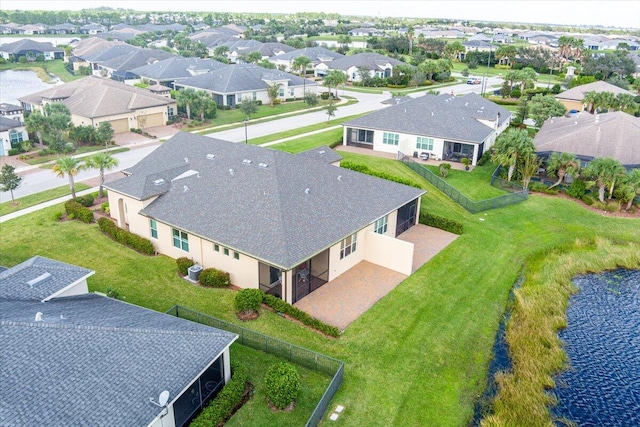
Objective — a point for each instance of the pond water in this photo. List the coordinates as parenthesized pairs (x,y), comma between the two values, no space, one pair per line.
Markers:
(602,341)
(17,83)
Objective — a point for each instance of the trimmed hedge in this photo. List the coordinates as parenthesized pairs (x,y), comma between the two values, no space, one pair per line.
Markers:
(248,300)
(282,384)
(133,241)
(224,403)
(214,278)
(86,200)
(75,210)
(183,264)
(365,169)
(284,307)
(442,223)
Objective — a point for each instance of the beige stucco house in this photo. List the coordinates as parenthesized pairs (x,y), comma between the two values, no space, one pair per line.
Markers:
(284,223)
(572,99)
(93,100)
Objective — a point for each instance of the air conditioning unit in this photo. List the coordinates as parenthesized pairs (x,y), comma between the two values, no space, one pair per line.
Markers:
(194,272)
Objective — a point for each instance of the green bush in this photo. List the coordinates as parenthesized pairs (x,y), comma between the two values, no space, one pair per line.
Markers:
(105,207)
(133,241)
(214,278)
(58,216)
(13,151)
(284,307)
(183,264)
(224,403)
(444,169)
(282,383)
(484,159)
(248,300)
(588,200)
(516,93)
(85,201)
(577,188)
(365,169)
(324,95)
(442,223)
(75,210)
(113,293)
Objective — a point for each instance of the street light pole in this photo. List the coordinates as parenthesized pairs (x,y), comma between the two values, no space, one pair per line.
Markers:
(485,78)
(246,120)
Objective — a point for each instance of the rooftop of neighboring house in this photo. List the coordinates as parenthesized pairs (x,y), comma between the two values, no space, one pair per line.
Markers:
(439,116)
(577,93)
(300,204)
(615,135)
(177,67)
(93,44)
(8,124)
(28,44)
(368,60)
(315,54)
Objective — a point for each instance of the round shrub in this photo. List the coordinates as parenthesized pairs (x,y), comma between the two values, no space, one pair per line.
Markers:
(577,188)
(214,278)
(444,169)
(248,300)
(86,200)
(516,93)
(183,264)
(282,383)
(324,95)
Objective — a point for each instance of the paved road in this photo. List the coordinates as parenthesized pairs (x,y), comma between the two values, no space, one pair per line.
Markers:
(38,180)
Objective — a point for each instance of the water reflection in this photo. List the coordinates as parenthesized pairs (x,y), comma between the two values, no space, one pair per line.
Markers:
(18,83)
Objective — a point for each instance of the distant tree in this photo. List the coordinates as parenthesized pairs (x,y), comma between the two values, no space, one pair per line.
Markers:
(265,63)
(541,107)
(453,50)
(335,78)
(9,180)
(272,92)
(253,57)
(38,124)
(301,63)
(506,53)
(101,161)
(311,99)
(510,146)
(185,98)
(331,110)
(68,166)
(105,133)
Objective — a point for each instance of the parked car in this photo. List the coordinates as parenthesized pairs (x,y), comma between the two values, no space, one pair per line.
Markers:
(473,81)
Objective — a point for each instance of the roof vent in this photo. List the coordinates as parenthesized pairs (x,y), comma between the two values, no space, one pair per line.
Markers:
(185,189)
(231,171)
(306,191)
(158,181)
(39,279)
(339,177)
(211,156)
(263,165)
(39,316)
(186,160)
(247,161)
(321,152)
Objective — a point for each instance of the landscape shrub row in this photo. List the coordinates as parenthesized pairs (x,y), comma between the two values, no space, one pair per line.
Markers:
(86,200)
(133,241)
(365,169)
(214,278)
(284,307)
(442,223)
(75,210)
(226,401)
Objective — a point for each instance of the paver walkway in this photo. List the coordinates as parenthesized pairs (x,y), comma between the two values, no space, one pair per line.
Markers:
(344,299)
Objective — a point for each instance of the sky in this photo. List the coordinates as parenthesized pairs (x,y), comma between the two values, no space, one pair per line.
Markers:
(617,13)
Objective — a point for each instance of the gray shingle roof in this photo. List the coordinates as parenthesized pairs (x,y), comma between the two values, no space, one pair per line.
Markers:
(136,59)
(240,78)
(282,214)
(110,53)
(21,281)
(323,154)
(10,107)
(577,93)
(443,116)
(615,135)
(315,54)
(7,123)
(93,44)
(368,60)
(95,96)
(28,44)
(177,68)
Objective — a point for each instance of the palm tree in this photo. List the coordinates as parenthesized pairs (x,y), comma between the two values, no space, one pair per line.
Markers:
(530,163)
(590,99)
(272,92)
(626,102)
(410,34)
(69,166)
(510,146)
(102,161)
(301,63)
(632,186)
(37,123)
(185,98)
(334,78)
(606,100)
(603,173)
(560,164)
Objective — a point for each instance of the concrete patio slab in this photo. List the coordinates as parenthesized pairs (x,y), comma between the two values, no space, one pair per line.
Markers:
(344,299)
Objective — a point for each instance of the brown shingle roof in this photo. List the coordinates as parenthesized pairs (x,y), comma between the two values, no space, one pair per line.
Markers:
(577,93)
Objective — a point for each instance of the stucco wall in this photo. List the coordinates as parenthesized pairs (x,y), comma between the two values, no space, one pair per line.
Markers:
(79,120)
(389,252)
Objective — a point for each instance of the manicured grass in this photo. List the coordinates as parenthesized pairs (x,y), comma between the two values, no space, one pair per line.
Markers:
(407,90)
(420,355)
(308,142)
(256,412)
(475,184)
(35,199)
(80,150)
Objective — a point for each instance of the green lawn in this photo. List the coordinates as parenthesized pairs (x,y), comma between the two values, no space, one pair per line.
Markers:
(475,184)
(308,142)
(35,199)
(419,356)
(37,159)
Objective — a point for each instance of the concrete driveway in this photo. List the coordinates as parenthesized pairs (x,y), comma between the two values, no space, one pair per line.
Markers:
(344,299)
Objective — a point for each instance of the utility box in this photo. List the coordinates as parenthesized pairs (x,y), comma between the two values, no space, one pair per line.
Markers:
(194,272)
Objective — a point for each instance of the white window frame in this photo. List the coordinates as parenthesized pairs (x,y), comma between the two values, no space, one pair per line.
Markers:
(348,245)
(390,138)
(381,225)
(180,239)
(424,143)
(153,227)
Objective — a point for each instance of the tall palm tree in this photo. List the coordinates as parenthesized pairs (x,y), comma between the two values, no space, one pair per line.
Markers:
(632,185)
(37,123)
(626,102)
(301,63)
(101,161)
(185,98)
(606,100)
(510,146)
(590,99)
(69,166)
(561,164)
(603,173)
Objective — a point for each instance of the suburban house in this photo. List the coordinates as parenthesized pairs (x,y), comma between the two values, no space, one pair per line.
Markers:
(74,358)
(31,29)
(377,65)
(573,98)
(474,46)
(30,49)
(119,68)
(93,100)
(12,134)
(65,28)
(438,126)
(231,84)
(173,69)
(11,111)
(317,55)
(283,223)
(615,135)
(92,29)
(366,32)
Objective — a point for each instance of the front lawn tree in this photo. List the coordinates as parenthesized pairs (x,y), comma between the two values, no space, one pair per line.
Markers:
(331,110)
(541,107)
(58,115)
(301,63)
(102,162)
(105,133)
(69,167)
(185,99)
(9,180)
(311,99)
(561,164)
(248,107)
(38,124)
(335,78)
(272,93)
(510,146)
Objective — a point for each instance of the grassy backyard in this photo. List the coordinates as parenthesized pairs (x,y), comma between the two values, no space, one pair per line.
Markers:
(420,355)
(37,198)
(474,184)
